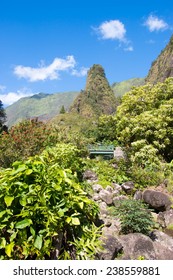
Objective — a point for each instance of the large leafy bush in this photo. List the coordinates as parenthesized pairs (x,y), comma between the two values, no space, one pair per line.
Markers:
(44,211)
(146,113)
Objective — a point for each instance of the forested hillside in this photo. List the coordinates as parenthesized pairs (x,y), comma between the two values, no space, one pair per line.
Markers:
(162,67)
(46,106)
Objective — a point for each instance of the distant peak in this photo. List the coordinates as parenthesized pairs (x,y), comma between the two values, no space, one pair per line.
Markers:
(39,95)
(98,97)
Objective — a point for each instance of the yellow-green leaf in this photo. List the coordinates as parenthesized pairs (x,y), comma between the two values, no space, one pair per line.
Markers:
(61,213)
(2,243)
(38,242)
(28,171)
(68,220)
(32,231)
(8,200)
(2,213)
(75,221)
(9,249)
(22,201)
(81,204)
(23,224)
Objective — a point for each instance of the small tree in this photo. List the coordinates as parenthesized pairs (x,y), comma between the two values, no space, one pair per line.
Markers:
(62,110)
(134,216)
(2,116)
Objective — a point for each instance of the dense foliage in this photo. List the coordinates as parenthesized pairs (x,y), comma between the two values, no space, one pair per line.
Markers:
(44,211)
(146,115)
(25,139)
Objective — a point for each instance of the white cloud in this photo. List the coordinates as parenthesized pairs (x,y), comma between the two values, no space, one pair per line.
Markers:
(11,97)
(129,49)
(113,29)
(43,72)
(80,73)
(155,24)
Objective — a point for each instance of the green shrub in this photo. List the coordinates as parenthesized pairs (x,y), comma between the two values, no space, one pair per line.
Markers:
(106,173)
(134,216)
(41,200)
(25,139)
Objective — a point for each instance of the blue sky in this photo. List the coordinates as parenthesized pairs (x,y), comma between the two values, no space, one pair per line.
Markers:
(48,46)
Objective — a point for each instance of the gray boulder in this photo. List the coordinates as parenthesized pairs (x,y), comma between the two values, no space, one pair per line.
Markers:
(165,219)
(138,195)
(106,196)
(119,154)
(163,245)
(90,176)
(137,245)
(157,200)
(128,187)
(96,188)
(111,247)
(103,208)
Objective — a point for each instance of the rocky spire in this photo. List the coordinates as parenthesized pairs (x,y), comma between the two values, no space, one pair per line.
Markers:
(98,97)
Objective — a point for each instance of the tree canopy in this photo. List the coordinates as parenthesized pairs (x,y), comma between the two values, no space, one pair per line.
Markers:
(2,116)
(146,113)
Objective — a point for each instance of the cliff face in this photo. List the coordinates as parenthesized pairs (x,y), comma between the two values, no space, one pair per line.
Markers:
(162,67)
(98,97)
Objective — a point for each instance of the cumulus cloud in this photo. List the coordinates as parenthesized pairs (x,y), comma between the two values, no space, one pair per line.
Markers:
(11,97)
(153,23)
(43,72)
(113,29)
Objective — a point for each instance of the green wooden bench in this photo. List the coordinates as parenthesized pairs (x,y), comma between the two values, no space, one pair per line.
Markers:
(107,151)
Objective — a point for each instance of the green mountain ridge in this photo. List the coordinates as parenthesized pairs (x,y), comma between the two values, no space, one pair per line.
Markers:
(43,106)
(121,88)
(46,106)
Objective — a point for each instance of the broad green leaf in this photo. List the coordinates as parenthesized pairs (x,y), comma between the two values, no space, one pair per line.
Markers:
(23,224)
(13,236)
(81,204)
(61,213)
(23,201)
(2,243)
(2,213)
(38,242)
(19,169)
(28,171)
(68,220)
(9,249)
(75,221)
(8,200)
(32,231)
(18,183)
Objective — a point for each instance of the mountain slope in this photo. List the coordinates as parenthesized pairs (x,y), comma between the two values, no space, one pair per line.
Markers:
(44,106)
(97,98)
(162,67)
(122,87)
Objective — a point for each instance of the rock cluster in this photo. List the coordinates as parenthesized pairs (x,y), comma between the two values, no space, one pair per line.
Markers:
(157,246)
